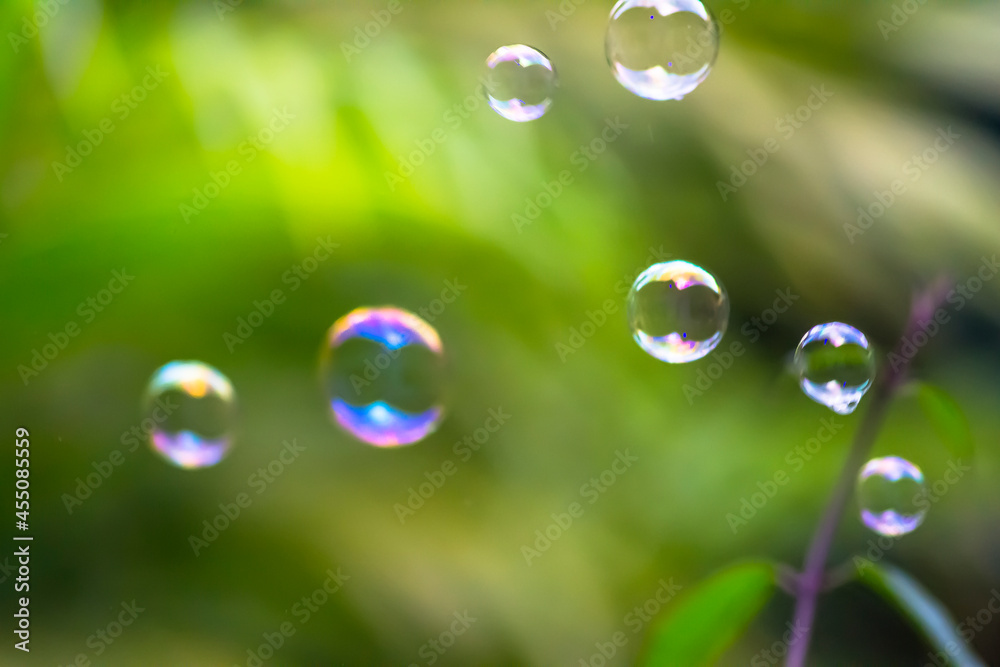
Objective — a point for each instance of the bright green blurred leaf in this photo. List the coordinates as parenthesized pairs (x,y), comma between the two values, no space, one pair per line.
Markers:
(709,618)
(947,419)
(923,610)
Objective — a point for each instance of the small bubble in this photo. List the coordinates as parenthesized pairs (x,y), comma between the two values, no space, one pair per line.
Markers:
(661,317)
(838,372)
(192,408)
(382,370)
(888,489)
(637,49)
(520,82)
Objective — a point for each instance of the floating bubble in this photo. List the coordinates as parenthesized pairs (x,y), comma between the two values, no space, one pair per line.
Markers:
(382,370)
(836,366)
(664,55)
(520,82)
(677,311)
(192,408)
(888,489)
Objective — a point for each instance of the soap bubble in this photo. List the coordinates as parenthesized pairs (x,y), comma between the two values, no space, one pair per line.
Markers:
(520,82)
(661,49)
(677,311)
(888,489)
(836,366)
(191,407)
(382,371)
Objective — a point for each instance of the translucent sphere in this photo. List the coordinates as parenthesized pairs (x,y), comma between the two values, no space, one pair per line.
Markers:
(520,82)
(677,311)
(888,490)
(836,366)
(383,371)
(661,49)
(192,408)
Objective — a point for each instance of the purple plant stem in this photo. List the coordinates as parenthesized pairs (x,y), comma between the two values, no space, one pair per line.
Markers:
(813,579)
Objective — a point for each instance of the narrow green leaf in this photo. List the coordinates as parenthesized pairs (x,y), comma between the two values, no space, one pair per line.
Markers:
(922,610)
(707,619)
(947,420)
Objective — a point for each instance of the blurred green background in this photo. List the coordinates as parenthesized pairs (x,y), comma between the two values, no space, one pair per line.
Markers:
(351,115)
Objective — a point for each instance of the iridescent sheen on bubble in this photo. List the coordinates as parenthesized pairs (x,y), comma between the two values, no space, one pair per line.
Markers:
(382,372)
(836,366)
(678,312)
(520,82)
(888,491)
(661,49)
(190,410)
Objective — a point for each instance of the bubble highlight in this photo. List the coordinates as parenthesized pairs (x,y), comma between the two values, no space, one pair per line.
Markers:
(520,82)
(192,406)
(663,59)
(678,311)
(361,389)
(836,366)
(887,490)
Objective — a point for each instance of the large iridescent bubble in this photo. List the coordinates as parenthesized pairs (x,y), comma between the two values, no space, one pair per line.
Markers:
(678,312)
(382,370)
(190,411)
(889,492)
(661,49)
(520,82)
(836,366)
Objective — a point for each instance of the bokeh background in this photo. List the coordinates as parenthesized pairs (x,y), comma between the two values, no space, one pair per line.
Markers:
(225,67)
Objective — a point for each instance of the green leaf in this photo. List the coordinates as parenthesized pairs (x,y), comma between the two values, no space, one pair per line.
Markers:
(947,420)
(922,610)
(707,619)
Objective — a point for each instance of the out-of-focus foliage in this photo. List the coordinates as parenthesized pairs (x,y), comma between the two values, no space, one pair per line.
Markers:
(924,611)
(195,191)
(947,419)
(709,618)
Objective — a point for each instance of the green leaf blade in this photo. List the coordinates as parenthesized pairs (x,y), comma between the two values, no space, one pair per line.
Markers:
(947,419)
(705,621)
(922,610)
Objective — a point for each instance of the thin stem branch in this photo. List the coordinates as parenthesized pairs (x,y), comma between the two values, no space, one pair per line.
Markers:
(812,581)
(840,575)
